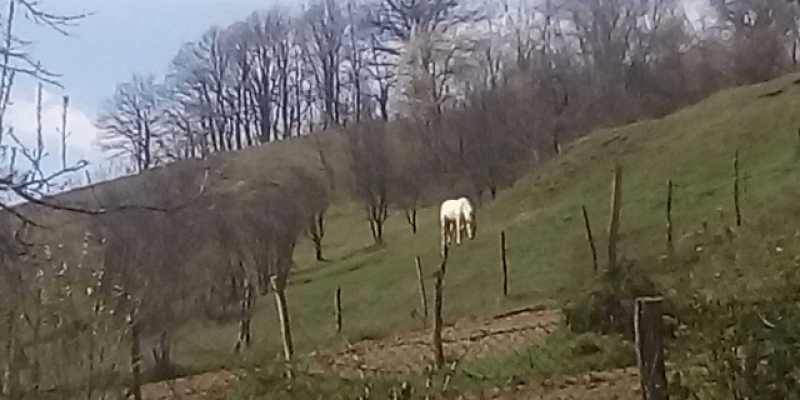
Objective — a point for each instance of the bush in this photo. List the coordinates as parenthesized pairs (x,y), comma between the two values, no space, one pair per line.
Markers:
(609,303)
(738,349)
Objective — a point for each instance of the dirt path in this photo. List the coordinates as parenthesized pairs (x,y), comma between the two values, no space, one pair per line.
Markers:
(467,338)
(621,384)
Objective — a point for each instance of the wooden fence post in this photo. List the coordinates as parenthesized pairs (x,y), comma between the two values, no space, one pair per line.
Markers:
(278,283)
(736,188)
(649,328)
(670,244)
(337,303)
(505,264)
(613,224)
(423,297)
(437,313)
(136,359)
(589,236)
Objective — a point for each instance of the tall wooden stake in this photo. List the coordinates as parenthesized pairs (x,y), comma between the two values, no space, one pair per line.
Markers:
(670,245)
(136,361)
(64,134)
(423,297)
(278,283)
(613,224)
(437,313)
(736,188)
(589,236)
(648,323)
(505,264)
(337,303)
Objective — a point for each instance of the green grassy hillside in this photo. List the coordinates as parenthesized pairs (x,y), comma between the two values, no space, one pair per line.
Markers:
(549,258)
(548,254)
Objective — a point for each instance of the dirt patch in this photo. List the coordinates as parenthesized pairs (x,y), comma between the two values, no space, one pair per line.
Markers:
(411,351)
(623,384)
(215,385)
(466,338)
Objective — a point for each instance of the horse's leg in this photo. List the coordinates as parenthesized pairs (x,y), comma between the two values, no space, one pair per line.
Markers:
(444,234)
(458,229)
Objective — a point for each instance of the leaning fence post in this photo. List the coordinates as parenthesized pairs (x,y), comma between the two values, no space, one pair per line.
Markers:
(422,296)
(589,236)
(337,303)
(505,264)
(649,327)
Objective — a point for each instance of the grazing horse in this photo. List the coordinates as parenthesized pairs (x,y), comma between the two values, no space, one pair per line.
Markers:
(457,217)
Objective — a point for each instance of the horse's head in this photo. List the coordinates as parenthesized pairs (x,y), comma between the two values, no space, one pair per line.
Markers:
(472,225)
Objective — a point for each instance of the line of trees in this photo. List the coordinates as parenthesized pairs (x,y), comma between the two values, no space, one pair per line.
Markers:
(270,77)
(529,77)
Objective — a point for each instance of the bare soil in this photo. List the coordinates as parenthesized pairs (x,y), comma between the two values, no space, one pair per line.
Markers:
(411,351)
(467,338)
(214,385)
(622,384)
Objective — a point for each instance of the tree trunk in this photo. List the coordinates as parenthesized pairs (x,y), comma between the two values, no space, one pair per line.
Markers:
(318,250)
(411,218)
(328,169)
(278,286)
(244,324)
(11,371)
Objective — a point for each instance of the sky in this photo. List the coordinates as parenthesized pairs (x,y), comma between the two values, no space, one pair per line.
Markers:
(119,38)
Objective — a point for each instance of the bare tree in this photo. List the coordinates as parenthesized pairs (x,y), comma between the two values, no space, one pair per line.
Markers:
(397,19)
(431,63)
(373,172)
(147,254)
(316,232)
(383,72)
(129,121)
(15,181)
(326,26)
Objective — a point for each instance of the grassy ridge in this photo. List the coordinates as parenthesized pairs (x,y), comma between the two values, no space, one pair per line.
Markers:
(549,259)
(548,254)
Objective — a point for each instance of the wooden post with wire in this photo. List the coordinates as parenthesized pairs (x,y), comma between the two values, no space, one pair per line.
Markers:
(613,224)
(670,244)
(649,327)
(736,188)
(505,263)
(337,303)
(437,312)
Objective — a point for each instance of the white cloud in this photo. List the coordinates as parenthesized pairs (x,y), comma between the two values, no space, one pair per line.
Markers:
(21,115)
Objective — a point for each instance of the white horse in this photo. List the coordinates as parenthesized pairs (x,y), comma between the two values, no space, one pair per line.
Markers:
(457,217)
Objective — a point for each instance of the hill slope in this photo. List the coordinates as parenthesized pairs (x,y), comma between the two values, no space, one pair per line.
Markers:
(548,254)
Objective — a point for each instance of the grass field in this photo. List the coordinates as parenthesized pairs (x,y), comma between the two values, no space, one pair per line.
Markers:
(549,258)
(548,254)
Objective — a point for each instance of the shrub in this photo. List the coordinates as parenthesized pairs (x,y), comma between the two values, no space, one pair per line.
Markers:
(609,303)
